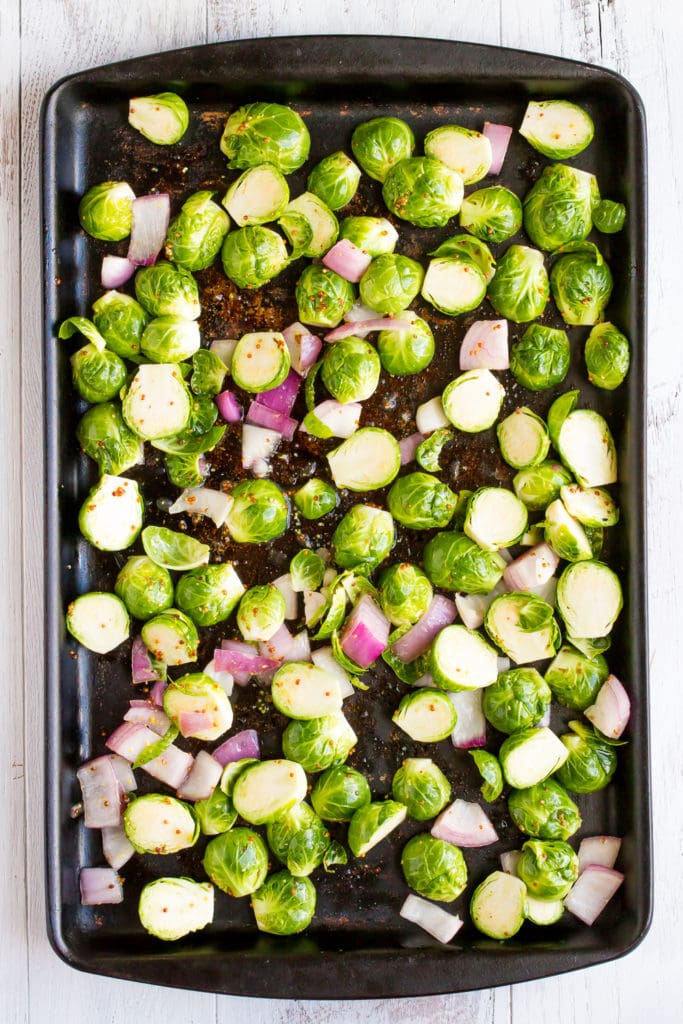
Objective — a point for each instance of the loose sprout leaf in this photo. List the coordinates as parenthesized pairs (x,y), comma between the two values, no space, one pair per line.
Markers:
(154,749)
(490,771)
(334,854)
(429,451)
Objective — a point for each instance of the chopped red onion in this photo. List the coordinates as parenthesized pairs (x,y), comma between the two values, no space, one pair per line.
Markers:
(499,137)
(533,568)
(101,793)
(242,661)
(203,778)
(485,346)
(430,416)
(116,846)
(304,347)
(156,694)
(150,715)
(360,328)
(415,642)
(347,260)
(130,739)
(224,348)
(261,416)
(229,407)
(465,824)
(300,649)
(509,861)
(203,501)
(359,311)
(366,632)
(277,648)
(602,850)
(504,664)
(116,270)
(242,744)
(224,679)
(612,709)
(470,728)
(192,722)
(324,658)
(424,682)
(592,891)
(472,608)
(142,666)
(283,397)
(436,921)
(313,602)
(151,215)
(99,886)
(172,766)
(341,419)
(284,585)
(258,444)
(124,773)
(409,446)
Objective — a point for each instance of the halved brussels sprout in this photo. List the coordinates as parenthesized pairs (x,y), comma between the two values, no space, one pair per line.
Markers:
(351,370)
(592,506)
(609,217)
(261,612)
(423,191)
(422,787)
(544,811)
(322,296)
(172,549)
(165,290)
(99,621)
(434,868)
(558,209)
(390,283)
(495,518)
(523,438)
(298,231)
(607,356)
(111,515)
(548,868)
(539,485)
(318,743)
(335,180)
(540,359)
(237,861)
(523,626)
(104,436)
(518,699)
(454,284)
(498,905)
(209,593)
(372,823)
(426,715)
(266,133)
(531,755)
(592,760)
(304,691)
(267,789)
(253,255)
(472,401)
(581,285)
(369,459)
(171,908)
(586,445)
(284,905)
(462,149)
(157,404)
(339,792)
(589,599)
(565,534)
(379,144)
(455,562)
(259,512)
(462,660)
(106,211)
(195,236)
(259,195)
(316,498)
(162,118)
(374,235)
(322,222)
(408,351)
(557,128)
(363,538)
(121,321)
(421,501)
(472,249)
(260,361)
(575,679)
(144,587)
(493,214)
(98,375)
(155,823)
(405,593)
(520,290)
(170,339)
(299,839)
(171,637)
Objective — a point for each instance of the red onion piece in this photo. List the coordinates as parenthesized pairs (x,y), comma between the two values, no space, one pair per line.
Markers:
(261,416)
(430,416)
(300,649)
(465,824)
(499,137)
(360,328)
(224,348)
(228,406)
(532,569)
(600,850)
(101,793)
(242,744)
(347,260)
(409,446)
(304,348)
(203,501)
(142,666)
(130,739)
(224,679)
(436,921)
(592,891)
(172,766)
(415,642)
(258,444)
(99,886)
(242,661)
(277,648)
(124,773)
(203,778)
(156,694)
(472,608)
(341,419)
(151,216)
(116,846)
(485,346)
(470,729)
(192,722)
(313,602)
(284,585)
(366,633)
(283,397)
(149,715)
(509,861)
(359,312)
(116,270)
(612,709)
(424,682)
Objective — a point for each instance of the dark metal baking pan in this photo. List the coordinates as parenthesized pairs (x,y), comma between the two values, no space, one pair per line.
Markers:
(357,946)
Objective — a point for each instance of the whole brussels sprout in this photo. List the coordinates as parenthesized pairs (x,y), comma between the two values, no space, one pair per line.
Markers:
(307,569)
(592,760)
(339,792)
(609,217)
(492,214)
(121,321)
(351,370)
(548,868)
(284,905)
(405,593)
(237,861)
(299,839)
(423,191)
(261,612)
(316,498)
(408,351)
(215,813)
(559,207)
(434,868)
(422,787)
(421,501)
(323,297)
(472,249)
(318,743)
(518,699)
(363,538)
(454,562)
(106,211)
(335,180)
(374,235)
(581,285)
(266,133)
(253,255)
(538,486)
(103,435)
(163,118)
(390,283)
(519,290)
(186,470)
(575,679)
(144,587)
(607,356)
(165,290)
(209,593)
(196,235)
(98,374)
(544,811)
(379,144)
(259,512)
(170,339)
(540,359)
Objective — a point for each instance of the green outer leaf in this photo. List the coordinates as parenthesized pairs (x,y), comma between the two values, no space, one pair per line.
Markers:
(85,327)
(334,854)
(347,664)
(429,451)
(490,771)
(558,413)
(309,390)
(188,444)
(154,749)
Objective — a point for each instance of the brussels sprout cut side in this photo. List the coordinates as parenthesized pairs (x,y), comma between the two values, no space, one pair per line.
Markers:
(498,905)
(171,908)
(589,599)
(99,621)
(259,195)
(586,446)
(301,690)
(472,401)
(427,715)
(111,516)
(495,518)
(529,756)
(462,149)
(453,285)
(557,128)
(523,626)
(523,439)
(268,788)
(370,459)
(322,222)
(372,823)
(198,706)
(565,534)
(162,119)
(160,824)
(157,403)
(171,637)
(462,660)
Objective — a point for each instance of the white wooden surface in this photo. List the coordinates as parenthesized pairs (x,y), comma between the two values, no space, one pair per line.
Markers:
(41,40)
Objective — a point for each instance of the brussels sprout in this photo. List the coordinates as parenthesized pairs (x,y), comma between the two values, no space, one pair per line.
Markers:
(266,133)
(351,370)
(495,518)
(405,593)
(592,506)
(215,814)
(195,236)
(523,438)
(548,868)
(454,284)
(194,698)
(208,373)
(232,772)
(586,445)
(531,755)
(163,118)
(339,792)
(260,361)
(259,512)
(363,538)
(106,211)
(298,230)
(544,811)
(237,861)
(426,715)
(390,283)
(209,593)
(421,501)
(120,319)
(472,249)
(324,226)
(259,195)
(575,679)
(170,339)
(581,285)
(461,659)
(157,403)
(454,562)
(99,621)
(557,128)
(316,498)
(186,470)
(462,149)
(472,401)
(372,823)
(539,485)
(518,699)
(323,297)
(261,613)
(171,908)
(369,459)
(429,451)
(434,868)
(307,569)
(493,214)
(407,351)
(374,235)
(558,209)
(144,587)
(165,290)
(519,291)
(498,905)
(422,787)
(609,217)
(253,255)
(540,359)
(335,180)
(523,626)
(592,760)
(379,144)
(104,436)
(488,767)
(284,905)
(171,637)
(607,356)
(160,824)
(98,375)
(173,550)
(565,534)
(299,839)
(423,191)
(111,515)
(589,599)
(318,743)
